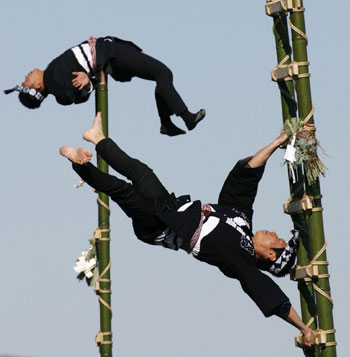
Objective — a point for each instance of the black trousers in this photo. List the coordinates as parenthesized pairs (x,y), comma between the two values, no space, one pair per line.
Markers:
(139,199)
(138,64)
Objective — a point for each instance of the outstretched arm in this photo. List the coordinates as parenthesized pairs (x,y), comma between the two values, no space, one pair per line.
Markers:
(260,158)
(294,319)
(241,185)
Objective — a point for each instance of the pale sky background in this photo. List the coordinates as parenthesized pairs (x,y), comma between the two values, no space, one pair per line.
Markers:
(164,303)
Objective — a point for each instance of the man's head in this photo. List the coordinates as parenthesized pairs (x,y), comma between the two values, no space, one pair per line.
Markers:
(31,92)
(34,79)
(273,253)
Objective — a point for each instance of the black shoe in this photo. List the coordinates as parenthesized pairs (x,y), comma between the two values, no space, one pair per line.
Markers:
(191,124)
(171,130)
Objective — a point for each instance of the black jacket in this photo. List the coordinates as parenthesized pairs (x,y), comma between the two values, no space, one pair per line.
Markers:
(229,245)
(109,57)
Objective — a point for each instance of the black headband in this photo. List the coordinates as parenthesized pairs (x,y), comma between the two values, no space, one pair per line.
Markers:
(288,254)
(27,90)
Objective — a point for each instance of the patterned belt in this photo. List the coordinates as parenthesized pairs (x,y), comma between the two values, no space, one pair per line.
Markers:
(92,45)
(206,211)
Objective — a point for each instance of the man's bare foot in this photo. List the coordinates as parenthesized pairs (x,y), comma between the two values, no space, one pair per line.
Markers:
(95,133)
(77,155)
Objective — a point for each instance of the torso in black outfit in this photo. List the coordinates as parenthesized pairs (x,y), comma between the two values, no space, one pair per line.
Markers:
(229,245)
(109,57)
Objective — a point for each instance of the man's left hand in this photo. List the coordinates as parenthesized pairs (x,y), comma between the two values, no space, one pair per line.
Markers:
(281,139)
(308,337)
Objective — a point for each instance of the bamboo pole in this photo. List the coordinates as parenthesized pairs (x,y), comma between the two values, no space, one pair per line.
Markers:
(103,251)
(289,110)
(303,89)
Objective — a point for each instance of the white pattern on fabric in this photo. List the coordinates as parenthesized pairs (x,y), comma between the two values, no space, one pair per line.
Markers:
(92,44)
(246,241)
(242,215)
(168,239)
(207,228)
(80,58)
(185,206)
(240,222)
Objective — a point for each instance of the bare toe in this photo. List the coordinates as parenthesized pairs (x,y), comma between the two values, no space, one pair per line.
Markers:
(76,155)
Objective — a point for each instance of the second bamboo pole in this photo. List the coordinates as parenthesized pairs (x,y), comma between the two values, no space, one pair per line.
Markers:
(103,251)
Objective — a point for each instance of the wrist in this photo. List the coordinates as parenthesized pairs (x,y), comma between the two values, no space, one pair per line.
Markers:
(89,87)
(274,145)
(305,330)
(278,142)
(281,139)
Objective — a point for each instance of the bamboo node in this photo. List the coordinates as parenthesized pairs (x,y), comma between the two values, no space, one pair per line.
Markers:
(99,339)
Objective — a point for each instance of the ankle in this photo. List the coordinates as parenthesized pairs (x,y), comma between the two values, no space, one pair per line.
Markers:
(187,116)
(98,139)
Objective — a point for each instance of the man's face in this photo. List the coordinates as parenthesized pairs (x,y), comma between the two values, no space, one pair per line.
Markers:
(265,241)
(33,79)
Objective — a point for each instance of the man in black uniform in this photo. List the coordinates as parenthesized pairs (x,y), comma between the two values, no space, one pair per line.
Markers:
(71,77)
(218,234)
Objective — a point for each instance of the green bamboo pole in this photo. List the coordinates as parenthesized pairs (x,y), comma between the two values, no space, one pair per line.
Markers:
(289,110)
(103,223)
(303,89)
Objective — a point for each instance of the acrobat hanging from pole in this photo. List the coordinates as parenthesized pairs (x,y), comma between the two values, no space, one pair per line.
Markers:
(218,234)
(71,77)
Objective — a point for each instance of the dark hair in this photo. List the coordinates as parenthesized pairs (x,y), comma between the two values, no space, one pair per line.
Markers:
(28,100)
(264,264)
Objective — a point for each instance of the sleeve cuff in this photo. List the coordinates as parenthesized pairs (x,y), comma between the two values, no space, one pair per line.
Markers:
(244,169)
(91,88)
(283,310)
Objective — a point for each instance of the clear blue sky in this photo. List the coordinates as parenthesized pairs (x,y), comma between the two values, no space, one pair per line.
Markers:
(164,303)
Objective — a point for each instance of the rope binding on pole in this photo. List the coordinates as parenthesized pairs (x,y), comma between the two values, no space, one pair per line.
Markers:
(101,279)
(278,7)
(289,72)
(303,204)
(310,273)
(99,339)
(319,339)
(302,154)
